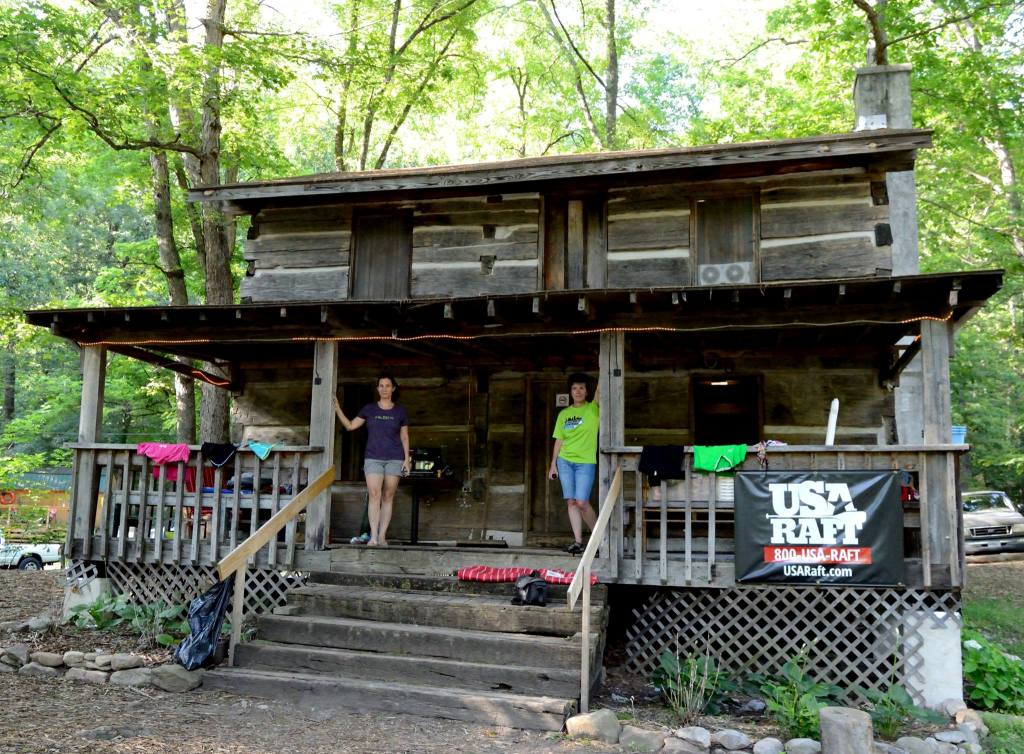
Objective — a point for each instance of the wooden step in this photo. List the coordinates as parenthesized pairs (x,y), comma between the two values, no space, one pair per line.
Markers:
(513,679)
(331,692)
(478,612)
(427,641)
(428,583)
(414,559)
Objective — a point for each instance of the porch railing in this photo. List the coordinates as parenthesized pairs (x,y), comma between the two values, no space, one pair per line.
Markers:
(186,512)
(682,535)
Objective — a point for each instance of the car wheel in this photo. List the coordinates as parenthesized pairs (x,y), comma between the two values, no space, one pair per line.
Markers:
(30,564)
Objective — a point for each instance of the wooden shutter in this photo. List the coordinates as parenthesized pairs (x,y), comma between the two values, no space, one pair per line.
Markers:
(383,252)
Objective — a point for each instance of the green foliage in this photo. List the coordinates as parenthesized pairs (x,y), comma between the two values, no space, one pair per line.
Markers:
(1006,733)
(998,620)
(992,680)
(794,699)
(156,623)
(893,708)
(692,685)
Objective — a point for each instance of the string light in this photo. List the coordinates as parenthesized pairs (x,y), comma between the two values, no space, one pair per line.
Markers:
(547,333)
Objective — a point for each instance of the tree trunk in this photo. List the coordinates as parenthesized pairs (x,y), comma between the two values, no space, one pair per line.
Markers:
(170,263)
(611,100)
(219,282)
(7,377)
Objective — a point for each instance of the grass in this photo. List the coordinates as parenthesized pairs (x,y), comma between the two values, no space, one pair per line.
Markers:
(1006,733)
(999,620)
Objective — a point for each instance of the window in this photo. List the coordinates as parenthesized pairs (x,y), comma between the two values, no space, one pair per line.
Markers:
(726,240)
(382,247)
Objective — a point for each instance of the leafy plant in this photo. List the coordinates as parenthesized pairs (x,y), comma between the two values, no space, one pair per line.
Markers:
(1006,733)
(993,680)
(691,686)
(794,699)
(155,623)
(891,709)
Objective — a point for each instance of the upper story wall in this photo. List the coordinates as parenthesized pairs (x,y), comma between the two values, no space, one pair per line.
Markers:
(676,234)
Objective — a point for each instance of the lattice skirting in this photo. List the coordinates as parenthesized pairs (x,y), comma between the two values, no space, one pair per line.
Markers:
(865,637)
(177,584)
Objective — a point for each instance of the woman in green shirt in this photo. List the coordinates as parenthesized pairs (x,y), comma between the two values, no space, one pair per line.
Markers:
(574,458)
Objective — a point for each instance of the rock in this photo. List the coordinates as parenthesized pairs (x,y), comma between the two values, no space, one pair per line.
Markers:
(883,748)
(175,678)
(641,740)
(971,748)
(601,725)
(126,662)
(86,676)
(845,730)
(730,740)
(49,659)
(4,668)
(951,736)
(90,665)
(970,731)
(802,746)
(914,745)
(103,661)
(18,654)
(39,671)
(952,706)
(40,624)
(969,716)
(679,746)
(696,735)
(287,610)
(74,659)
(752,707)
(768,746)
(941,747)
(91,656)
(135,677)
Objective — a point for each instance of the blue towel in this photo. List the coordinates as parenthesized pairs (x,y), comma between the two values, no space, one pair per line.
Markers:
(261,449)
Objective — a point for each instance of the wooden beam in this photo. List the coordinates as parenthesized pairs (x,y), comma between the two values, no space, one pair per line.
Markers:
(231,383)
(611,379)
(322,432)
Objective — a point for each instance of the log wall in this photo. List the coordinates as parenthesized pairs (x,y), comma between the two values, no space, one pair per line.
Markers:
(809,227)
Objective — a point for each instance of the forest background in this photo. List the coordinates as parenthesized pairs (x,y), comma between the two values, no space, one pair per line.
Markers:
(111,109)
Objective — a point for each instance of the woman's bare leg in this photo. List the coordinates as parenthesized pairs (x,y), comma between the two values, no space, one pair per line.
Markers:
(386,506)
(374,483)
(587,512)
(575,520)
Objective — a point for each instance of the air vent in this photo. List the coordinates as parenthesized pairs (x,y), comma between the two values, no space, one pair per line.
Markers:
(733,273)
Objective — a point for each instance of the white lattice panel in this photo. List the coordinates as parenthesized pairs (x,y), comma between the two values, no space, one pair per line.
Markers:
(862,637)
(179,584)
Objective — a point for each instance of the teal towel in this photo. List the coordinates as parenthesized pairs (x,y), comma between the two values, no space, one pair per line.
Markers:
(261,449)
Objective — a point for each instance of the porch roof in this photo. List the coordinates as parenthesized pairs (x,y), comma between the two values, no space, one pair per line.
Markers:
(893,149)
(826,316)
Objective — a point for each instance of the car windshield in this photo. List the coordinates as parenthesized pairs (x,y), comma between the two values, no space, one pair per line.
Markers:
(987,501)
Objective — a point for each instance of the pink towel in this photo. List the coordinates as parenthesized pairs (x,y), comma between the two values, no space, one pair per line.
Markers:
(163,452)
(511,573)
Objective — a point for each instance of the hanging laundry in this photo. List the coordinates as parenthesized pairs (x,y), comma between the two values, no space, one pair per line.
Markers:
(218,453)
(261,449)
(163,452)
(660,462)
(718,457)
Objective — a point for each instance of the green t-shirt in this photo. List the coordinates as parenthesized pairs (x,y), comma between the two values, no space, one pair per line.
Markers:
(577,428)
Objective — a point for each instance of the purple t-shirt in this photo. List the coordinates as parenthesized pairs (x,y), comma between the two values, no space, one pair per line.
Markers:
(383,427)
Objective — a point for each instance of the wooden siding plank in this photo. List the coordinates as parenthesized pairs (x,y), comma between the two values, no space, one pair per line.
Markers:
(651,232)
(303,284)
(828,258)
(780,221)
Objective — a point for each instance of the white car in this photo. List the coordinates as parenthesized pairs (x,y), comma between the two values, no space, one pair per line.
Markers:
(26,557)
(991,523)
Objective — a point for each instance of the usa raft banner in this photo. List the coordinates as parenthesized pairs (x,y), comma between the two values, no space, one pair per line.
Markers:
(819,527)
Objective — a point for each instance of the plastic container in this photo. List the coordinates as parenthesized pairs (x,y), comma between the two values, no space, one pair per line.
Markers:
(959,434)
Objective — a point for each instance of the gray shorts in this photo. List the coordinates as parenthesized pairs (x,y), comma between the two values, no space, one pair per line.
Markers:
(382,468)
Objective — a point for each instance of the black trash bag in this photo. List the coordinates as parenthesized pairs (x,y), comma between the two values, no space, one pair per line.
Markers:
(205,619)
(531,589)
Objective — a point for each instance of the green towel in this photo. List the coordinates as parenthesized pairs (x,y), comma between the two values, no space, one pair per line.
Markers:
(718,457)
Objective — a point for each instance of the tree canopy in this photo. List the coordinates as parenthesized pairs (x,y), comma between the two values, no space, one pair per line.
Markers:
(110,110)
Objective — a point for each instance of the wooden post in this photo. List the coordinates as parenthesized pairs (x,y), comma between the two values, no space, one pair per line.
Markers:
(321,433)
(585,644)
(237,611)
(938,477)
(611,377)
(90,421)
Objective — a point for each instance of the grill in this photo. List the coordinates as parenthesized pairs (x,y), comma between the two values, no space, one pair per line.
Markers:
(990,531)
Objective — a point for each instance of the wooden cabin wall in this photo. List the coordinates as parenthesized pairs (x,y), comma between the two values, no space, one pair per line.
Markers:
(274,404)
(810,227)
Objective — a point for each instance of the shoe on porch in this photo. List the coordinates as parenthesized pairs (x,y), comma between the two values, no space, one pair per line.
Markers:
(576,548)
(362,539)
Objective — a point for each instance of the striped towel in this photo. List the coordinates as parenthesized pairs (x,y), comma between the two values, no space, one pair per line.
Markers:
(510,574)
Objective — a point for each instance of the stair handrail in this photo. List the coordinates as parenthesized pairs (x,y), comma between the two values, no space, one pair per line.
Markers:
(581,581)
(237,560)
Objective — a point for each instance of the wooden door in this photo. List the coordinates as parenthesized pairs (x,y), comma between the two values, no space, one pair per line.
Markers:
(547,522)
(382,255)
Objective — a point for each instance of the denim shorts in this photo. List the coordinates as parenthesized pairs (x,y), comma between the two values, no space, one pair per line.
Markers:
(577,478)
(382,468)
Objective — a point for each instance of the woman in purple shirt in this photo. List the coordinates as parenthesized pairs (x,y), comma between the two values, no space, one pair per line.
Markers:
(387,452)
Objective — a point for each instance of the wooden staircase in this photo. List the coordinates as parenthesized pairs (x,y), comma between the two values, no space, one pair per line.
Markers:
(423,645)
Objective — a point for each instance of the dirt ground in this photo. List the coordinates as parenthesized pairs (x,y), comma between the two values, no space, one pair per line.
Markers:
(61,716)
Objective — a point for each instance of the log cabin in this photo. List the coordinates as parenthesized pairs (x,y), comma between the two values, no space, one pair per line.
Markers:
(721,294)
